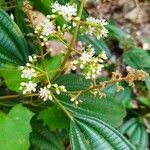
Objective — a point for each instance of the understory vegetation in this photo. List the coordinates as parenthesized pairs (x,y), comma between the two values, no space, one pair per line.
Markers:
(69,80)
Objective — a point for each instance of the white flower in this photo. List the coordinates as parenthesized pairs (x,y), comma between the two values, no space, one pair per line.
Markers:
(62,88)
(28,73)
(96,27)
(45,28)
(67,11)
(28,87)
(33,58)
(89,64)
(85,57)
(101,22)
(45,94)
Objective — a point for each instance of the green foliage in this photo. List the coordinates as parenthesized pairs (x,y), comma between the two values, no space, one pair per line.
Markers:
(43,138)
(52,65)
(101,108)
(124,96)
(145,101)
(92,123)
(13,47)
(15,128)
(138,59)
(12,77)
(125,40)
(88,133)
(73,82)
(99,45)
(54,118)
(136,133)
(43,5)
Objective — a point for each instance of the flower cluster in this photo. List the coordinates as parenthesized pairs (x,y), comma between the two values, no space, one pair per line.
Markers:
(45,29)
(96,27)
(89,64)
(48,29)
(67,11)
(29,73)
(45,93)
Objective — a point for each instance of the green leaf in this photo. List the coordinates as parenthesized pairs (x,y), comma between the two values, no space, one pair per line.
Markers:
(43,5)
(124,96)
(147,81)
(3,5)
(138,59)
(43,139)
(54,118)
(15,129)
(144,100)
(125,40)
(88,133)
(12,78)
(135,131)
(73,82)
(13,47)
(101,108)
(52,65)
(99,45)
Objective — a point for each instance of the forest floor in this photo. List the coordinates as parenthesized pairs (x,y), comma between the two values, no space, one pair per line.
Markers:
(133,16)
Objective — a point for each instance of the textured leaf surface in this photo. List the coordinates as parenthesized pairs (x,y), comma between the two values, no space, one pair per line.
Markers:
(43,139)
(88,133)
(125,40)
(13,47)
(15,129)
(54,118)
(138,59)
(101,108)
(135,131)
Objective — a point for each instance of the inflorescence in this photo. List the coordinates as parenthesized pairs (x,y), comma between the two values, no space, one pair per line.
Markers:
(49,28)
(30,73)
(88,62)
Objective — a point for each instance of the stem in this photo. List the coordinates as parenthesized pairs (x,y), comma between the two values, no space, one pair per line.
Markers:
(17,96)
(99,86)
(72,42)
(27,12)
(63,108)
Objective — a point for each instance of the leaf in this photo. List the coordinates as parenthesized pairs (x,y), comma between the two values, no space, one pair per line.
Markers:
(20,19)
(147,81)
(99,45)
(144,100)
(125,40)
(43,5)
(73,82)
(135,131)
(12,78)
(15,129)
(52,65)
(101,108)
(43,139)
(124,96)
(54,118)
(138,59)
(13,47)
(89,133)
